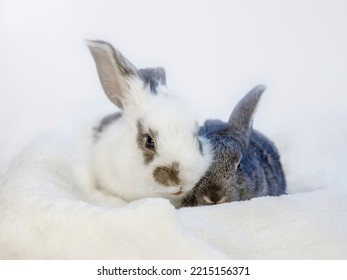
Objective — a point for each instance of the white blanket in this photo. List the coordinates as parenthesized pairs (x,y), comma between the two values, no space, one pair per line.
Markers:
(49,210)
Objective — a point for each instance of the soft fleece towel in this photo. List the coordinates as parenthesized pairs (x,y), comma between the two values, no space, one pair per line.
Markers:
(50,210)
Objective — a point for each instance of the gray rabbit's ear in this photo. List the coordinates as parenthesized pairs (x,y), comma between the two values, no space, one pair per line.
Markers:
(240,121)
(115,71)
(153,77)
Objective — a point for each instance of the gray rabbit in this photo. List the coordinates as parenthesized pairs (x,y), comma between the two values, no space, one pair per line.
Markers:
(246,163)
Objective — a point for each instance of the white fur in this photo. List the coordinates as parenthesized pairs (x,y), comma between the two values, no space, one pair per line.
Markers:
(49,209)
(119,163)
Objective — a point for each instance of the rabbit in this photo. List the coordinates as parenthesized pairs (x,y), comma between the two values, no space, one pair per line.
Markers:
(246,163)
(152,147)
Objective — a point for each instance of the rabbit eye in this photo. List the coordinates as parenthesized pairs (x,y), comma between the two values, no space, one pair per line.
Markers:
(150,142)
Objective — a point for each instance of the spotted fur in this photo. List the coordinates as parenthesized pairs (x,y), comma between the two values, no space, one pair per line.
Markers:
(168,175)
(123,163)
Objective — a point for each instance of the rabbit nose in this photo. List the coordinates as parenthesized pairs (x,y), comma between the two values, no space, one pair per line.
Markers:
(215,196)
(179,192)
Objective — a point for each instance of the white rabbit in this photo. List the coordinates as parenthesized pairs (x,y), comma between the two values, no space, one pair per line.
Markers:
(151,148)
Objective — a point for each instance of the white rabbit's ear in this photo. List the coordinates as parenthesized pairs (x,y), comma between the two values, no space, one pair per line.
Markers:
(153,77)
(114,70)
(240,121)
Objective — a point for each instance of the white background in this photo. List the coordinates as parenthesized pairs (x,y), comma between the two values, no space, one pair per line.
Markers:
(213,51)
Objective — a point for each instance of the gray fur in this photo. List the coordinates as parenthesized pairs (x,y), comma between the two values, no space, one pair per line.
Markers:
(106,121)
(153,77)
(246,163)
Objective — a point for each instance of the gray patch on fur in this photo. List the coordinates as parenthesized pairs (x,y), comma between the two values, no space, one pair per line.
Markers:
(106,121)
(196,135)
(153,77)
(148,154)
(201,148)
(167,175)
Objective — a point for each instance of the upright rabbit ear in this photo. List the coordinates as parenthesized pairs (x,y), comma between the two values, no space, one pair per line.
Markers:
(153,77)
(114,70)
(240,121)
